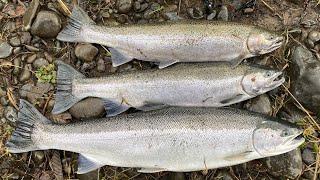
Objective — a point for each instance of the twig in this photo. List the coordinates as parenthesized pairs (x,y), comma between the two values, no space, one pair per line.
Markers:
(306,111)
(315,175)
(64,7)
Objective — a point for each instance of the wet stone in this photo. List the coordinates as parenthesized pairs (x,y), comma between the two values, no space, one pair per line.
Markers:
(41,62)
(5,49)
(223,14)
(31,58)
(212,15)
(86,52)
(10,114)
(30,14)
(16,63)
(26,73)
(124,6)
(260,104)
(308,156)
(88,108)
(15,41)
(287,165)
(46,25)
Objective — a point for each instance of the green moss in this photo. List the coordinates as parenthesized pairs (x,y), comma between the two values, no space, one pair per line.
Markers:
(47,74)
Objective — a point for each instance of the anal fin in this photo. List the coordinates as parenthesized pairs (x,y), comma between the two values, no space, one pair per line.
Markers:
(163,64)
(152,106)
(118,57)
(87,164)
(150,170)
(114,108)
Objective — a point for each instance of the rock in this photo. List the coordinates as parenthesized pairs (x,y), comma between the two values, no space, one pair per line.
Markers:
(32,48)
(31,58)
(62,118)
(212,15)
(148,14)
(10,114)
(15,41)
(124,6)
(9,27)
(306,87)
(26,73)
(16,50)
(30,14)
(5,64)
(93,175)
(16,63)
(5,49)
(38,156)
(172,16)
(90,107)
(25,37)
(308,156)
(195,13)
(260,104)
(38,91)
(313,37)
(40,62)
(287,165)
(101,67)
(223,175)
(46,25)
(2,92)
(223,14)
(86,52)
(24,90)
(4,101)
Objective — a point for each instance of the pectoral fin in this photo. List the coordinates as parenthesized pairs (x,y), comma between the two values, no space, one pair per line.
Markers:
(163,64)
(236,62)
(118,57)
(150,170)
(114,108)
(87,164)
(152,106)
(238,157)
(235,99)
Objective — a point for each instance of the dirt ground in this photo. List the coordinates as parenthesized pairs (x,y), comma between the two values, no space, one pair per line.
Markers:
(294,19)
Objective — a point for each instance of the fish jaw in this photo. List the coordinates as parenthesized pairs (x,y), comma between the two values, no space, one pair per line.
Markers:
(275,82)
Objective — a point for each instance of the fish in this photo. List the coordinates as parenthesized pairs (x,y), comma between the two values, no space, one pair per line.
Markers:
(183,84)
(170,42)
(175,139)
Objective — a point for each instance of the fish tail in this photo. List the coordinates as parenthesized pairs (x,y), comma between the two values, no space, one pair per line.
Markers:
(64,98)
(73,31)
(29,119)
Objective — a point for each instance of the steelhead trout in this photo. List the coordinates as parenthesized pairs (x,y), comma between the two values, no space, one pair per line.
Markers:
(170,139)
(184,84)
(171,42)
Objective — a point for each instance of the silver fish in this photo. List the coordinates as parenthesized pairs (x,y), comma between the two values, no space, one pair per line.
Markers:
(184,84)
(171,42)
(171,139)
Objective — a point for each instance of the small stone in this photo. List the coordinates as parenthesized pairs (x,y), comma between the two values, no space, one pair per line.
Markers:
(86,52)
(15,41)
(195,13)
(248,10)
(155,6)
(212,15)
(31,58)
(5,49)
(260,104)
(143,7)
(101,67)
(25,38)
(223,14)
(26,73)
(287,165)
(38,156)
(10,114)
(124,6)
(24,90)
(137,6)
(32,48)
(48,57)
(223,175)
(9,27)
(93,175)
(88,108)
(170,8)
(308,156)
(16,50)
(2,92)
(122,18)
(5,64)
(46,25)
(16,63)
(40,62)
(313,37)
(30,14)
(38,91)
(148,14)
(62,118)
(4,101)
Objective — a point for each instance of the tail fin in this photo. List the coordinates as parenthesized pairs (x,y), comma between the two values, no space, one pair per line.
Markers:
(64,98)
(72,32)
(29,119)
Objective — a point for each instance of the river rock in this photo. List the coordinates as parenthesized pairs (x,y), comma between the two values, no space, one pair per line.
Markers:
(15,41)
(308,156)
(23,91)
(86,52)
(124,6)
(5,49)
(260,104)
(88,108)
(10,114)
(38,91)
(306,87)
(41,62)
(223,14)
(30,14)
(46,25)
(25,38)
(287,165)
(313,38)
(26,73)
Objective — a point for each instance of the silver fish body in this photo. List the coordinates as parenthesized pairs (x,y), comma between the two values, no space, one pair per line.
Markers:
(171,139)
(200,84)
(171,42)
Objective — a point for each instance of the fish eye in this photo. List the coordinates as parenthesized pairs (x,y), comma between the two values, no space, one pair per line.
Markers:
(268,74)
(284,133)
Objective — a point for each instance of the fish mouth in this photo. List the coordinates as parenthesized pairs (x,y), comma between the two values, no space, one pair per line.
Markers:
(276,80)
(294,141)
(275,44)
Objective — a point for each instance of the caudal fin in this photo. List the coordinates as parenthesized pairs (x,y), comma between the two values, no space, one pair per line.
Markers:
(73,31)
(29,119)
(64,98)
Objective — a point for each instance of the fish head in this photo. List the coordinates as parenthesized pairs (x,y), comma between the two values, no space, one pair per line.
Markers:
(276,137)
(259,80)
(263,42)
